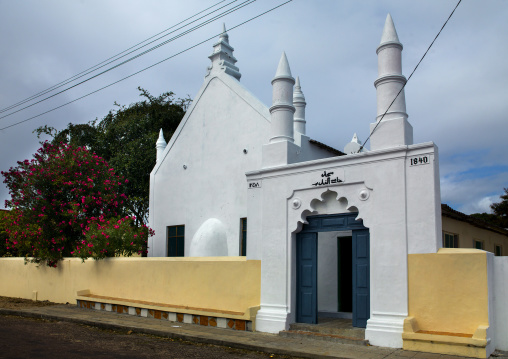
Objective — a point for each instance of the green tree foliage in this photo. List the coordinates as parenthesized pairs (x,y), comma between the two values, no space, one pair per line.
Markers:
(500,216)
(488,218)
(126,138)
(68,201)
(501,209)
(4,252)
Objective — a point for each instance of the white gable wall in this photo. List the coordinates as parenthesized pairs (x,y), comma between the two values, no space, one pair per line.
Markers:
(223,120)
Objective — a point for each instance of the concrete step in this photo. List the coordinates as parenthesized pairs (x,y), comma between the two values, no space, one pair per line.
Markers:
(339,328)
(299,334)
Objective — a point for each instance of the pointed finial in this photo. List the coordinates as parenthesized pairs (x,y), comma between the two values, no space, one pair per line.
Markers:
(283,69)
(389,32)
(224,36)
(160,141)
(354,146)
(297,93)
(160,145)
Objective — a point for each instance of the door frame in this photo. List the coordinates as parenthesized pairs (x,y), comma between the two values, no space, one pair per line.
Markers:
(330,223)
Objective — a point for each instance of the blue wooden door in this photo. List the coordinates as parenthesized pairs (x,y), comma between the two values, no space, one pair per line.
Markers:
(361,278)
(306,276)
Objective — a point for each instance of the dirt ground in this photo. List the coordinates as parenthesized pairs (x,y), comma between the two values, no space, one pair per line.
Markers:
(18,303)
(39,338)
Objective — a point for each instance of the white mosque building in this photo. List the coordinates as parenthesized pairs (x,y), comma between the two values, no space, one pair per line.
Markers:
(234,161)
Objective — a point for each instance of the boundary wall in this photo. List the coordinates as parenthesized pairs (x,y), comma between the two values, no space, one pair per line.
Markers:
(457,303)
(210,283)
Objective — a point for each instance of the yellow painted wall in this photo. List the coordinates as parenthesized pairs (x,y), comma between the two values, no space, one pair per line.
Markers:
(467,233)
(221,283)
(448,290)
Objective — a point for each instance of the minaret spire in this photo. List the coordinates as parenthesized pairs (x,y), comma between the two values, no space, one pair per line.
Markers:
(160,145)
(282,148)
(389,32)
(222,57)
(282,109)
(224,36)
(299,103)
(394,130)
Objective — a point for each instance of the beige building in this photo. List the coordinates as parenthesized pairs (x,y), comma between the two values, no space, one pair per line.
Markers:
(463,231)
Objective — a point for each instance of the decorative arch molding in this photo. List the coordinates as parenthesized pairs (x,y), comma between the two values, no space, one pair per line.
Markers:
(351,197)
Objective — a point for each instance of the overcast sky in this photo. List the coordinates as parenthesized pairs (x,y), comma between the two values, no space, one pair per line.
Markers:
(457,98)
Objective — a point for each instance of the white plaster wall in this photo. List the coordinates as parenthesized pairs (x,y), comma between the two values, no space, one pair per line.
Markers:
(223,120)
(375,185)
(423,211)
(500,303)
(491,333)
(309,151)
(327,271)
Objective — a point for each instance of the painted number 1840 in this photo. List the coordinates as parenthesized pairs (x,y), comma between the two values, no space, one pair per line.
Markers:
(424,160)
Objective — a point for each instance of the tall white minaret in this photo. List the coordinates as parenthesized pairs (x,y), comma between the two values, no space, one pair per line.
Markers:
(281,148)
(160,145)
(299,104)
(222,57)
(394,129)
(282,109)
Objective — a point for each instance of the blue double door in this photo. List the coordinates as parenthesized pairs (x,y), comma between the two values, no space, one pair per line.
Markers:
(307,263)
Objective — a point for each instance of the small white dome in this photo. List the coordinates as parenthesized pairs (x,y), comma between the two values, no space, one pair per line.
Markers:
(210,240)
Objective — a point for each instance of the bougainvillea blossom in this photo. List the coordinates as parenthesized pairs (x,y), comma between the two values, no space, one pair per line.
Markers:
(57,200)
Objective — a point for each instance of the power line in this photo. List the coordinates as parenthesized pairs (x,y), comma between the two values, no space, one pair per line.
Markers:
(206,22)
(146,68)
(403,86)
(95,67)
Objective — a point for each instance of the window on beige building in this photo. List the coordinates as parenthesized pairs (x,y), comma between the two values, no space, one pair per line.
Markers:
(450,240)
(498,250)
(478,244)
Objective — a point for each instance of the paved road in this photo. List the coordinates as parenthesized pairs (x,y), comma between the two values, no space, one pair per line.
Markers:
(36,338)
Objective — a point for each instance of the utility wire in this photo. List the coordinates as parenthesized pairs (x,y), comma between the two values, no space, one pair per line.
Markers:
(70,79)
(146,68)
(227,12)
(403,86)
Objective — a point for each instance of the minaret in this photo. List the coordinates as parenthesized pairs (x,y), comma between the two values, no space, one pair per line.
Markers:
(282,110)
(394,129)
(299,104)
(160,145)
(222,57)
(281,149)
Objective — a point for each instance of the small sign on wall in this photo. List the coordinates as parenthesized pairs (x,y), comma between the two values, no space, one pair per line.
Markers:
(254,184)
(419,161)
(329,178)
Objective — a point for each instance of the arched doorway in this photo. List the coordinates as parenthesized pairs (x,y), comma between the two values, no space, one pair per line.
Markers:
(307,266)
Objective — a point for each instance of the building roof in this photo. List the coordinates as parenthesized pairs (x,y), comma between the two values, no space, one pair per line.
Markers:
(326,147)
(447,211)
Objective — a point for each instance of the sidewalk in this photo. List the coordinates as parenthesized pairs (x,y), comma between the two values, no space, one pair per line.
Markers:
(269,343)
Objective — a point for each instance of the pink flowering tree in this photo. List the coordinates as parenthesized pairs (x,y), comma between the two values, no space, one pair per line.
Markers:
(66,202)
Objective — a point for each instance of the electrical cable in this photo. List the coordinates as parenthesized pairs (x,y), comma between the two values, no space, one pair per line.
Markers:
(146,68)
(227,12)
(112,57)
(403,86)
